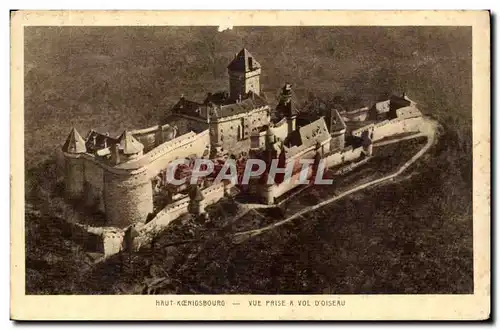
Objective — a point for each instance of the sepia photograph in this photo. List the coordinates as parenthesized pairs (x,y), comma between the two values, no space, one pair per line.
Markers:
(286,161)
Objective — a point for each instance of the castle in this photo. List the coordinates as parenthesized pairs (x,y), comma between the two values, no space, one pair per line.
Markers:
(123,176)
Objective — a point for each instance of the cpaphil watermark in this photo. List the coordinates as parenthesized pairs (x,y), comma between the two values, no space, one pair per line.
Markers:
(304,171)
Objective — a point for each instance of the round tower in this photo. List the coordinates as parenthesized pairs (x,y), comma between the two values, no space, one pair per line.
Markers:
(73,148)
(128,198)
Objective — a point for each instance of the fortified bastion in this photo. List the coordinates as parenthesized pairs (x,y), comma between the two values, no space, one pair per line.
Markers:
(114,174)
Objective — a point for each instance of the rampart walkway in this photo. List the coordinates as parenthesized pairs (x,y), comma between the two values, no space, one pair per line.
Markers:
(429,128)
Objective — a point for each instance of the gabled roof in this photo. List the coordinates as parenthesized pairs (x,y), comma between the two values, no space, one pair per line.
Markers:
(129,144)
(74,143)
(316,131)
(243,62)
(307,136)
(335,122)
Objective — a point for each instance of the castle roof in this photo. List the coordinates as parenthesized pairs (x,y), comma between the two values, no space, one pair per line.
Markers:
(252,101)
(307,136)
(399,101)
(95,141)
(316,131)
(244,62)
(129,144)
(187,107)
(220,107)
(335,121)
(74,143)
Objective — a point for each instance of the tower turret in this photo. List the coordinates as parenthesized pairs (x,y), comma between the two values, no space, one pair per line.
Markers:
(74,144)
(130,146)
(287,106)
(244,75)
(73,148)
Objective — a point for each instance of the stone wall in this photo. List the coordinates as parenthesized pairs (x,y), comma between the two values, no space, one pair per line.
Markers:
(112,242)
(174,210)
(297,152)
(152,137)
(387,128)
(124,192)
(228,131)
(278,190)
(241,83)
(73,176)
(346,155)
(93,187)
(128,198)
(338,141)
(182,147)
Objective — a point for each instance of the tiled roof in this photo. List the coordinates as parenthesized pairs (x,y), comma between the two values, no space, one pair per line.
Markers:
(217,98)
(219,106)
(307,136)
(253,101)
(74,143)
(243,62)
(97,141)
(316,131)
(129,144)
(335,122)
(187,107)
(398,101)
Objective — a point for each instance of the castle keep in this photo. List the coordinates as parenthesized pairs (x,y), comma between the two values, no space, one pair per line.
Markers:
(124,176)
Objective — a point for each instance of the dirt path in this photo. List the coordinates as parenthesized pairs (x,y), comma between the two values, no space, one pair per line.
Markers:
(429,128)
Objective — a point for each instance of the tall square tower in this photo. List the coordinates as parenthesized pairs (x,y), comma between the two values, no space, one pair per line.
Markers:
(244,75)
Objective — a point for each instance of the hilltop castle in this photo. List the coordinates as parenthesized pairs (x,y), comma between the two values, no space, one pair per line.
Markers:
(123,176)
